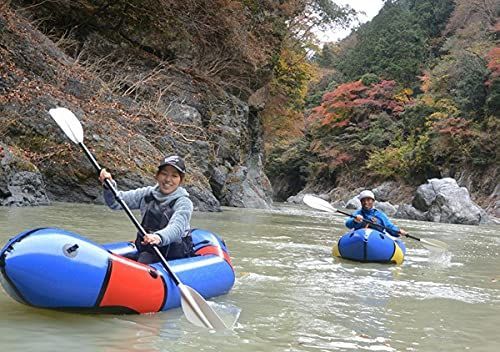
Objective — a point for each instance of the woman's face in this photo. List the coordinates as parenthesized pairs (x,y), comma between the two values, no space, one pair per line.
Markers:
(169,179)
(367,203)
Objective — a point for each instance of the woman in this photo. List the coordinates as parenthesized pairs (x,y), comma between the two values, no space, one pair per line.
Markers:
(368,212)
(165,208)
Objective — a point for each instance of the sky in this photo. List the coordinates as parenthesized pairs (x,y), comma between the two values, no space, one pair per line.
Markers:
(370,7)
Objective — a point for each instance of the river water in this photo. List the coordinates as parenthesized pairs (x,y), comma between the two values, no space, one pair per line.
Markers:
(290,294)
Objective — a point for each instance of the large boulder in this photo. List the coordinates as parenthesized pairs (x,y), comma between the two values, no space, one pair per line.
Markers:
(296,199)
(386,207)
(386,191)
(202,199)
(21,184)
(443,200)
(407,211)
(353,203)
(247,187)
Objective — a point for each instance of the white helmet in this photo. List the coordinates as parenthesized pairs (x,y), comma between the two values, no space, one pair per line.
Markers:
(366,194)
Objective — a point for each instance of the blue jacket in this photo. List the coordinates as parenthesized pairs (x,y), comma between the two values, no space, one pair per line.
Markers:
(373,215)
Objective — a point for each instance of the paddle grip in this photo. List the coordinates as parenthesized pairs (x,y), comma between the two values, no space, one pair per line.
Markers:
(415,238)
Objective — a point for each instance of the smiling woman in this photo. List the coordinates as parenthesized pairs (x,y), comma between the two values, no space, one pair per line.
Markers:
(165,208)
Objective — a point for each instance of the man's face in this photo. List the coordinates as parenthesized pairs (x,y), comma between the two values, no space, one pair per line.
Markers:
(367,203)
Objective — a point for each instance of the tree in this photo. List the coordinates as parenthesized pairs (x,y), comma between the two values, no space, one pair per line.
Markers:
(396,43)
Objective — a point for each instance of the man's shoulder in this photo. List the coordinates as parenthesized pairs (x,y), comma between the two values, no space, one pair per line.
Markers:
(379,212)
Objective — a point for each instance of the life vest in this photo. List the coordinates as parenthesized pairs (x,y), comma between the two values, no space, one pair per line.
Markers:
(156,217)
(378,221)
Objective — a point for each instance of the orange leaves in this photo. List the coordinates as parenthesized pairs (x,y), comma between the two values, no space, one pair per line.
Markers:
(453,126)
(333,156)
(493,58)
(354,102)
(344,93)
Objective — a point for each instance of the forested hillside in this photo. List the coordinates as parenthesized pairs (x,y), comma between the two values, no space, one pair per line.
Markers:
(411,95)
(146,78)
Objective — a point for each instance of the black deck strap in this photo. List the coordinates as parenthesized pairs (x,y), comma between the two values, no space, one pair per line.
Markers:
(105,283)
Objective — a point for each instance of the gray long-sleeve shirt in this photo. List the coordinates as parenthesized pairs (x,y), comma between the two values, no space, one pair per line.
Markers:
(179,222)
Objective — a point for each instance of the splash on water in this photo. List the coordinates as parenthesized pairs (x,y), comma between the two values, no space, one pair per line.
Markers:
(440,258)
(227,312)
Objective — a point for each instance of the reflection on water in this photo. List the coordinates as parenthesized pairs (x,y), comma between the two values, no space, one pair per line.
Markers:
(290,294)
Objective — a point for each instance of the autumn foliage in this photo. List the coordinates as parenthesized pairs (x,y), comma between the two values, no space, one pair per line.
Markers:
(493,58)
(353,102)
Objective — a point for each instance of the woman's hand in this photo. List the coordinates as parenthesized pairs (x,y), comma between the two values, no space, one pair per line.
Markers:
(103,175)
(151,238)
(358,218)
(403,232)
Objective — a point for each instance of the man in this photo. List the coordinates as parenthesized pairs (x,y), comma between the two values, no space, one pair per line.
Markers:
(369,213)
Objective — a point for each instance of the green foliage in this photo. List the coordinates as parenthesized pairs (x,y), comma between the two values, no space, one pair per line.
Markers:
(383,129)
(367,121)
(369,78)
(404,159)
(485,149)
(461,77)
(397,41)
(391,162)
(431,16)
(414,117)
(493,100)
(327,56)
(326,13)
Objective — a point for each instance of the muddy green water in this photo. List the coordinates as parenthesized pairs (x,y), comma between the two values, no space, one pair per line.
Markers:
(290,294)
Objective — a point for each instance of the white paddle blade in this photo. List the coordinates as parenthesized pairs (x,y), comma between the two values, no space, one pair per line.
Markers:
(197,310)
(318,203)
(69,123)
(434,245)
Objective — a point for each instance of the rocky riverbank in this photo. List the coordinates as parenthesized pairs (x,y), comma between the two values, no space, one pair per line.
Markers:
(169,110)
(438,200)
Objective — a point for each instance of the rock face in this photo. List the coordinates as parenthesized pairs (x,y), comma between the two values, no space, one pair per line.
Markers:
(129,127)
(442,200)
(21,183)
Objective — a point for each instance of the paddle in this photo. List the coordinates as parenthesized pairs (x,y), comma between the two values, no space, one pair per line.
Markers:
(194,306)
(320,204)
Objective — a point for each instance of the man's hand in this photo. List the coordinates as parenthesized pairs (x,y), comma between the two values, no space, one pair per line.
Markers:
(358,218)
(151,238)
